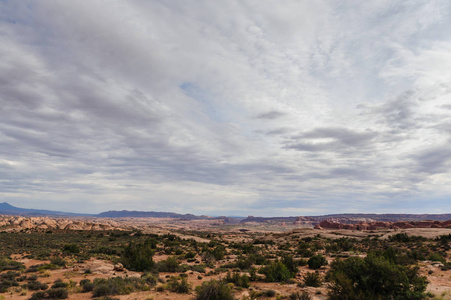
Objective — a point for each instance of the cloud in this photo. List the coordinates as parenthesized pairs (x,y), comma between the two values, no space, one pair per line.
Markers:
(270,115)
(398,113)
(277,131)
(434,160)
(241,107)
(330,139)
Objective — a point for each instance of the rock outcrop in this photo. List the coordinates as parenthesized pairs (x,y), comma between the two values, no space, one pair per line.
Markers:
(19,223)
(331,224)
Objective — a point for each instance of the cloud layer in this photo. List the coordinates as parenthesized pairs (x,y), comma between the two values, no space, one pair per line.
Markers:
(254,107)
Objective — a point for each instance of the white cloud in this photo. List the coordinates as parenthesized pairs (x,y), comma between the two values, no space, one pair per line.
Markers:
(244,107)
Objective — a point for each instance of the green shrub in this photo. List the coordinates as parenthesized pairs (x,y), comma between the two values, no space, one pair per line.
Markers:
(58,261)
(57,293)
(446,266)
(198,268)
(178,286)
(405,238)
(302,262)
(269,293)
(399,237)
(138,256)
(8,280)
(38,295)
(416,255)
(208,258)
(150,279)
(344,244)
(59,284)
(437,257)
(104,250)
(444,240)
(276,272)
(291,264)
(374,277)
(214,290)
(190,255)
(32,277)
(300,296)
(237,279)
(169,265)
(258,259)
(43,254)
(243,263)
(71,248)
(40,267)
(9,264)
(219,252)
(86,285)
(117,286)
(36,285)
(312,279)
(9,275)
(305,252)
(253,274)
(316,262)
(179,251)
(103,289)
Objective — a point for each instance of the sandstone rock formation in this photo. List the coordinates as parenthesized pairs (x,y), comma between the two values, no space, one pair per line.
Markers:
(331,224)
(19,223)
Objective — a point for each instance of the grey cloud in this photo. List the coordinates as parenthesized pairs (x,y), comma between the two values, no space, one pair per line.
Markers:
(346,136)
(278,131)
(398,114)
(272,115)
(342,138)
(434,160)
(444,127)
(358,173)
(94,105)
(173,164)
(362,171)
(38,141)
(275,132)
(313,147)
(19,79)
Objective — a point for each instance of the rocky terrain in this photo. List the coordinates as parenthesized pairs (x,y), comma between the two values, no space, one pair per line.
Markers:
(11,223)
(332,224)
(19,223)
(348,218)
(80,249)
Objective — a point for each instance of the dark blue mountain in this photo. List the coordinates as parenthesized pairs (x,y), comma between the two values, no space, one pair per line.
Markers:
(8,209)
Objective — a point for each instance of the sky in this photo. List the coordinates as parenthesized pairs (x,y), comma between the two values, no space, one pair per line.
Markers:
(263,108)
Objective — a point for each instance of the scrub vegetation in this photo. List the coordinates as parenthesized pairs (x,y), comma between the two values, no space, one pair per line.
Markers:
(221,266)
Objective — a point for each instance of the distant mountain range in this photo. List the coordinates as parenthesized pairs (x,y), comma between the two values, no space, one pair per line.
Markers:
(148,214)
(8,209)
